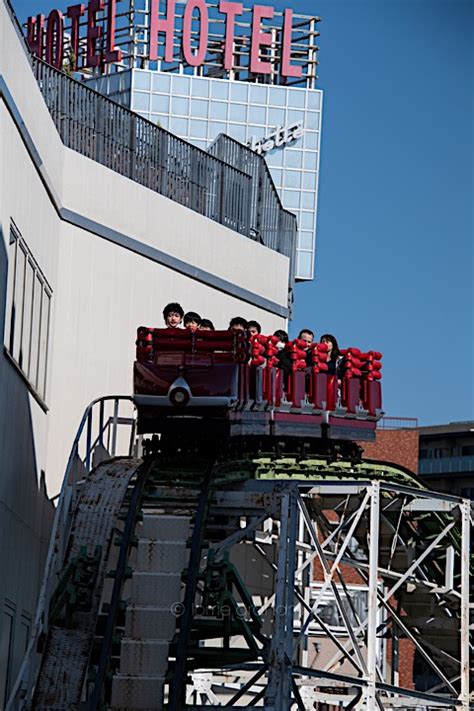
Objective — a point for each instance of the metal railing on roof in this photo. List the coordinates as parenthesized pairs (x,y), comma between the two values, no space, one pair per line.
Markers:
(242,198)
(398,423)
(274,226)
(116,137)
(229,184)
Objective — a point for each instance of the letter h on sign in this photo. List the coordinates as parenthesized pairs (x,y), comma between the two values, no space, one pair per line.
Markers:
(166,25)
(35,35)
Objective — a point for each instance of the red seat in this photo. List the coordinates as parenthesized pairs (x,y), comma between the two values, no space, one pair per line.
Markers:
(331,392)
(224,361)
(351,393)
(373,398)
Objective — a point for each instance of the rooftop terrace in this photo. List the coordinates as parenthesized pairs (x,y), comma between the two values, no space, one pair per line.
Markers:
(239,194)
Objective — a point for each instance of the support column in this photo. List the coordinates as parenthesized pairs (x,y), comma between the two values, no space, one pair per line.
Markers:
(279,689)
(371,701)
(290,602)
(465,554)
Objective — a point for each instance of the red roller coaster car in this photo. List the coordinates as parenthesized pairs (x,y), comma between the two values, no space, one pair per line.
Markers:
(225,379)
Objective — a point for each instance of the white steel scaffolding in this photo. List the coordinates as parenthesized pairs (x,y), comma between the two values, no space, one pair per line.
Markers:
(325,546)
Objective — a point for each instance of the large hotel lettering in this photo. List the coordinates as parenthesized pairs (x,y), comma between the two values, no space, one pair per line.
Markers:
(201,69)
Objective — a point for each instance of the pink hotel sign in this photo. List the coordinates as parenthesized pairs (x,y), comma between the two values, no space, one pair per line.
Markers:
(46,37)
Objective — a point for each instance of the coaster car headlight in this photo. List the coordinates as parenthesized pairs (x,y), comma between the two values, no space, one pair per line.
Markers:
(179,393)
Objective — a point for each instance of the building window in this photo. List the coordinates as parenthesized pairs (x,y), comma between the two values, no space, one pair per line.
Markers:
(160,103)
(141,101)
(218,110)
(199,108)
(6,650)
(220,90)
(238,113)
(198,128)
(442,452)
(28,314)
(314,99)
(329,612)
(161,82)
(142,80)
(24,633)
(181,86)
(305,264)
(239,92)
(200,87)
(180,106)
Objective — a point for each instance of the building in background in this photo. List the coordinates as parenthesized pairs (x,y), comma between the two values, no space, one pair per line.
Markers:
(396,441)
(447,457)
(200,70)
(442,455)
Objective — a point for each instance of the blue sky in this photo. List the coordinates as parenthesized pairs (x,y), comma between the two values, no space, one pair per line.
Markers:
(394,257)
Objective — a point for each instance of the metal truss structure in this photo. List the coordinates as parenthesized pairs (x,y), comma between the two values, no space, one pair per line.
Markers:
(310,584)
(405,549)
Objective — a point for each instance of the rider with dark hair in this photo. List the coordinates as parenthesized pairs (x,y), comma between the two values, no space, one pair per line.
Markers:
(282,337)
(283,357)
(238,323)
(307,336)
(206,325)
(173,314)
(192,321)
(335,359)
(254,328)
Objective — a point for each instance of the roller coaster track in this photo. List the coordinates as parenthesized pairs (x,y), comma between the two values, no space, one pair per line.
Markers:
(76,600)
(223,587)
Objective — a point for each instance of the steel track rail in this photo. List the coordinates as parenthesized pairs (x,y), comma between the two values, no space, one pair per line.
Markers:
(177,700)
(119,577)
(60,678)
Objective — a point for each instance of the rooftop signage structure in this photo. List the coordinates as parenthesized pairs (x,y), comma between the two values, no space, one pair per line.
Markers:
(222,39)
(279,138)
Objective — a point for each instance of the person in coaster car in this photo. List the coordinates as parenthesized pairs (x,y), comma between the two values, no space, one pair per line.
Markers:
(173,315)
(206,325)
(254,328)
(283,357)
(192,321)
(335,359)
(307,336)
(238,323)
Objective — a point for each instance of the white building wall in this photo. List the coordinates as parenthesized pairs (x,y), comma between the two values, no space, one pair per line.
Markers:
(25,512)
(104,293)
(127,207)
(114,253)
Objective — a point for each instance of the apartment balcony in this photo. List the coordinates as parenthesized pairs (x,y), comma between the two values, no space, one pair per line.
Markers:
(446,465)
